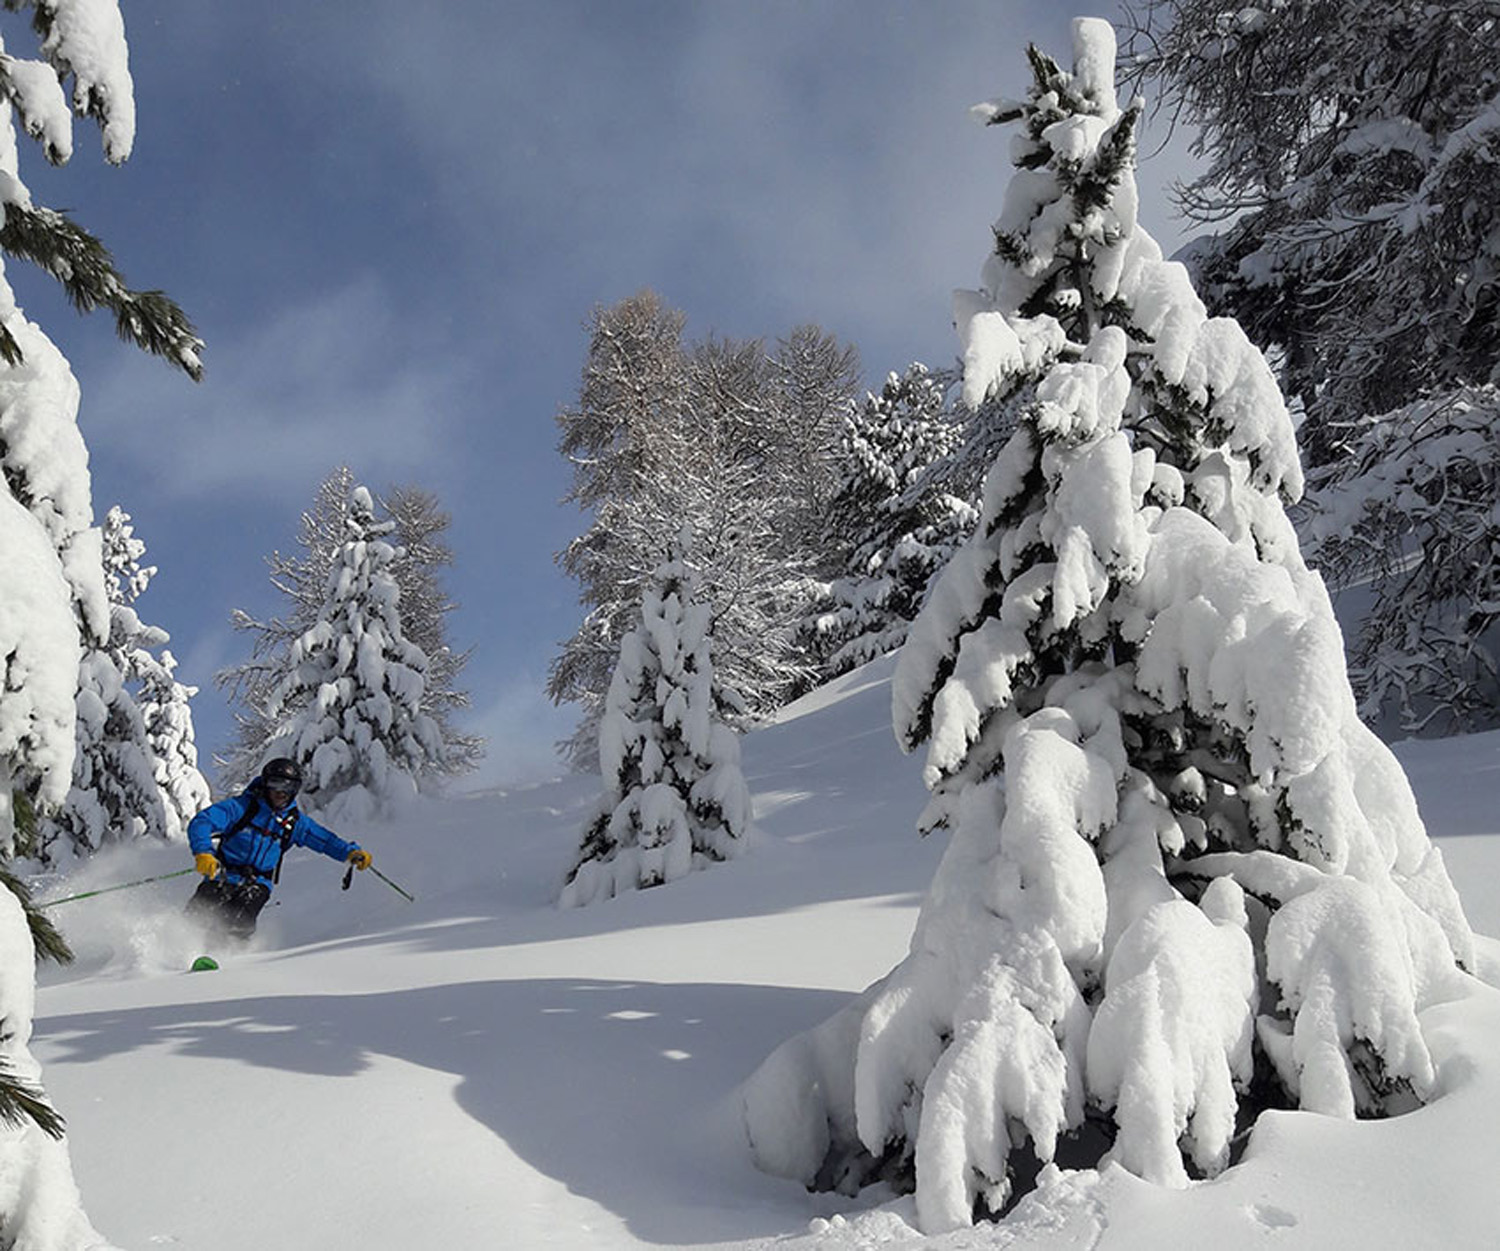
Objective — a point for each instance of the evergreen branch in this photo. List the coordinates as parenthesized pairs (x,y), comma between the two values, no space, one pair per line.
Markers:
(25,841)
(1116,158)
(10,350)
(1045,70)
(1052,79)
(21,1101)
(84,267)
(45,937)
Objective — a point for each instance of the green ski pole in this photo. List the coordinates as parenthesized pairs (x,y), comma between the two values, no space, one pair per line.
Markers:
(349,881)
(391,884)
(104,890)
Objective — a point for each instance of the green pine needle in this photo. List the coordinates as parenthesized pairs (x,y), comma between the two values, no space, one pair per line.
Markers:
(24,809)
(86,271)
(20,1101)
(45,937)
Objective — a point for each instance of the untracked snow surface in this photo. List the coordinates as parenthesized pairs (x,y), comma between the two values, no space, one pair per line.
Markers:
(483,1070)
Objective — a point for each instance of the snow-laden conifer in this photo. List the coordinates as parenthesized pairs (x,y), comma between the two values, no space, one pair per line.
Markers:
(348,707)
(122,787)
(166,708)
(39,644)
(50,509)
(1184,880)
(1350,160)
(301,578)
(891,525)
(138,651)
(674,797)
(114,796)
(54,591)
(140,654)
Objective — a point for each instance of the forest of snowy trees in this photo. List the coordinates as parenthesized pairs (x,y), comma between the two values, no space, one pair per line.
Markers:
(729,438)
(1345,195)
(1185,880)
(1353,245)
(819,515)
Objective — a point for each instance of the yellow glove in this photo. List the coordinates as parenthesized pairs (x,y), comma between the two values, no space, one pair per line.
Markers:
(360,859)
(206,863)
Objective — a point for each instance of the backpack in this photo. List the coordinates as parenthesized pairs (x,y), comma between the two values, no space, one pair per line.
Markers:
(284,836)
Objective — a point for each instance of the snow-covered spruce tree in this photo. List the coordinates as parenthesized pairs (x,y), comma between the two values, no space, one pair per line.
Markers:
(891,526)
(1350,151)
(1351,165)
(348,706)
(114,795)
(674,797)
(122,787)
(164,703)
(54,582)
(1184,881)
(301,577)
(138,652)
(166,708)
(302,580)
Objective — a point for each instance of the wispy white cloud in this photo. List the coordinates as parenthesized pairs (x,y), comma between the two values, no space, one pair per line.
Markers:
(761,164)
(335,379)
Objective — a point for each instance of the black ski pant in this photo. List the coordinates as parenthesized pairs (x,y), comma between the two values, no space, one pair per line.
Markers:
(230,907)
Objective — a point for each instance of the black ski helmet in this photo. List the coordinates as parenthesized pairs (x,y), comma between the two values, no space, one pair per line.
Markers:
(282,774)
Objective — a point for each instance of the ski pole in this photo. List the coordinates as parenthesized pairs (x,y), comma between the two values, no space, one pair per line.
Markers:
(104,890)
(349,881)
(391,884)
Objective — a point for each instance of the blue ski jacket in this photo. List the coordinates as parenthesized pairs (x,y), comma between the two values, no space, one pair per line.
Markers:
(255,849)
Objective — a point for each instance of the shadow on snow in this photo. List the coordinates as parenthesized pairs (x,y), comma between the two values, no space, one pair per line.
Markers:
(572,1074)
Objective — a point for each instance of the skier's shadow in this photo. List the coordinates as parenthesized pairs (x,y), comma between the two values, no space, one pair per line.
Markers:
(622,1091)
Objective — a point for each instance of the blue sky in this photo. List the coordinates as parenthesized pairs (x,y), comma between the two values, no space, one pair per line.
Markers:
(389,222)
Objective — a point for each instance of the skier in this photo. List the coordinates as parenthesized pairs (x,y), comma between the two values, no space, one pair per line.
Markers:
(254,829)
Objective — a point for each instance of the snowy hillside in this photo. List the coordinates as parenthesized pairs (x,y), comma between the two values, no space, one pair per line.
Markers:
(481,1070)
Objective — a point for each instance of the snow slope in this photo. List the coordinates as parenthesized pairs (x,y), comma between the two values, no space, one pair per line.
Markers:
(482,1070)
